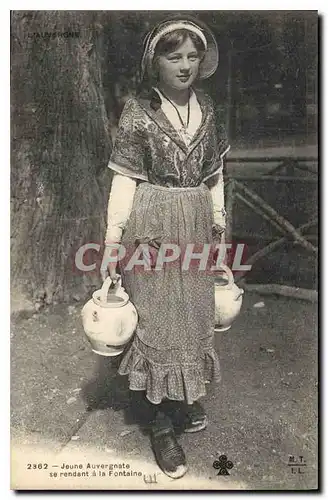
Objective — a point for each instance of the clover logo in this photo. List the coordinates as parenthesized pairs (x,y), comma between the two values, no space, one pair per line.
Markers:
(223,464)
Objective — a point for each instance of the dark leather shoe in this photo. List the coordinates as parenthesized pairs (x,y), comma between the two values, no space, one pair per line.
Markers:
(195,419)
(168,452)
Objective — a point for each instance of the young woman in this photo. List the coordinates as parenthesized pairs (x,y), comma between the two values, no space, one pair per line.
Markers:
(168,189)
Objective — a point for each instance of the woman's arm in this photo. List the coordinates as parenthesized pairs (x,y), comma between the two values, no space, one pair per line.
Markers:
(216,187)
(214,175)
(118,212)
(128,167)
(119,207)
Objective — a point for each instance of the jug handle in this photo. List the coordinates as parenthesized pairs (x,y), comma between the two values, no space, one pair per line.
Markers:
(228,272)
(106,286)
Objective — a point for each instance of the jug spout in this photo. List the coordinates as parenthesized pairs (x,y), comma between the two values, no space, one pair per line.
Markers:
(239,294)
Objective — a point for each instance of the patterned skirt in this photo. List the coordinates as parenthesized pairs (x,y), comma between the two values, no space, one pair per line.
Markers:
(171,354)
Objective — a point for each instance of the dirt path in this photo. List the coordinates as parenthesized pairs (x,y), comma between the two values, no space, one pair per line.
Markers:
(264,411)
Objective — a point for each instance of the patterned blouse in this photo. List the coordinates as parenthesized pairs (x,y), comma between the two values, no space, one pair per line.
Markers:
(148,147)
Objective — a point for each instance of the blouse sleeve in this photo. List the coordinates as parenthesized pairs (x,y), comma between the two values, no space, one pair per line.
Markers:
(220,145)
(128,154)
(119,207)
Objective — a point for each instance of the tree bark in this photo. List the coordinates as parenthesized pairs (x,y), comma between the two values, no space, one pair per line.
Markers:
(59,150)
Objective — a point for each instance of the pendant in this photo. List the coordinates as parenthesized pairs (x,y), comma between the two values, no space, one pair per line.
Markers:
(185,133)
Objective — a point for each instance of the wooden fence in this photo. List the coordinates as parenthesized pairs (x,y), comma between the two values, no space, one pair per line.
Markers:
(296,182)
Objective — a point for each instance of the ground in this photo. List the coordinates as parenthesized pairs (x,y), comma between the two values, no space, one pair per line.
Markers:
(69,405)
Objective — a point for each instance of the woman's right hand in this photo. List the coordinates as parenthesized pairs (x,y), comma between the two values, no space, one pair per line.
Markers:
(110,269)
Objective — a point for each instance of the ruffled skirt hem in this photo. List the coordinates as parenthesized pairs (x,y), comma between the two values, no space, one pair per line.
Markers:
(175,381)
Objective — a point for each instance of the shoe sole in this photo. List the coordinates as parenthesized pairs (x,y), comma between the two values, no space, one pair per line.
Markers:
(180,472)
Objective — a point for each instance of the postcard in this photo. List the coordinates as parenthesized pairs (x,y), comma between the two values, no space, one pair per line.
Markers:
(164,250)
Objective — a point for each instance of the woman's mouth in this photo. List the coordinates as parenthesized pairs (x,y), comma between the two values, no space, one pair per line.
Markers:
(184,78)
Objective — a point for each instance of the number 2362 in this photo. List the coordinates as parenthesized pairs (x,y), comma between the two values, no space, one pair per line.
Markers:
(37,466)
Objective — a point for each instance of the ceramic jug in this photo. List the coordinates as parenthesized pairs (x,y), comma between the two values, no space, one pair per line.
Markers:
(228,300)
(109,319)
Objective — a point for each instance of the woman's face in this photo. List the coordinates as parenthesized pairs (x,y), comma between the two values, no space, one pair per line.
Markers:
(179,69)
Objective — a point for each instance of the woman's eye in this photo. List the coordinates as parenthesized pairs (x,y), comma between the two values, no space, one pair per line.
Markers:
(193,58)
(173,59)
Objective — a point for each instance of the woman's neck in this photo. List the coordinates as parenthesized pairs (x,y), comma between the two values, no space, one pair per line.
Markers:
(179,97)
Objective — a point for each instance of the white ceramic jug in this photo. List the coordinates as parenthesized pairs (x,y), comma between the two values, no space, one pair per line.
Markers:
(228,300)
(109,319)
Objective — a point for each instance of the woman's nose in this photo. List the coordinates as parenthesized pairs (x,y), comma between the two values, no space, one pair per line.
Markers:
(185,64)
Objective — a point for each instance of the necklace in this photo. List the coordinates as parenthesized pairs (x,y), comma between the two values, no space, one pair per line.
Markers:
(184,126)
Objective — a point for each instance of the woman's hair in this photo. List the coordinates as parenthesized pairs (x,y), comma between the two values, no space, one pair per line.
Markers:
(171,41)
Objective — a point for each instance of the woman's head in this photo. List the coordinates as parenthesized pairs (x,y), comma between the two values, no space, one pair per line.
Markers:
(178,51)
(177,57)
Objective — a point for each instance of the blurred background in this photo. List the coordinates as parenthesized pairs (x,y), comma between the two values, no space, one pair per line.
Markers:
(266,83)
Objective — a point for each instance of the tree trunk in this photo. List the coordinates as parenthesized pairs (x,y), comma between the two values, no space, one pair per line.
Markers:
(60,146)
